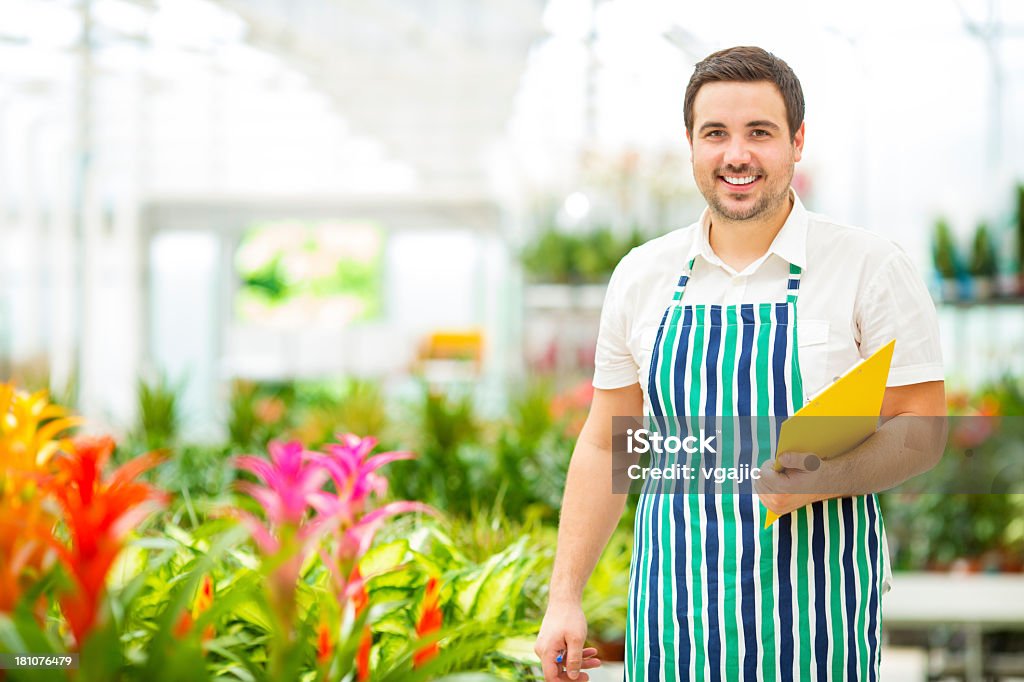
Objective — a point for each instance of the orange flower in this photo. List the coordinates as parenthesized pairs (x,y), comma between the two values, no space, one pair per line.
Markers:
(29,426)
(324,645)
(360,599)
(99,512)
(269,410)
(29,431)
(430,621)
(363,655)
(25,551)
(201,604)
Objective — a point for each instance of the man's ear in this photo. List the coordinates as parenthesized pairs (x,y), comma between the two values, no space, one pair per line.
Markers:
(798,143)
(689,141)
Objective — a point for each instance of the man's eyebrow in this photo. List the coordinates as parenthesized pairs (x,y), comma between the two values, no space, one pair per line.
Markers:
(763,124)
(711,124)
(752,124)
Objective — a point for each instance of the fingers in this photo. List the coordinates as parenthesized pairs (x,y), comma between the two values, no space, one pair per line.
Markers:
(547,653)
(804,461)
(551,668)
(772,502)
(573,656)
(589,662)
(590,659)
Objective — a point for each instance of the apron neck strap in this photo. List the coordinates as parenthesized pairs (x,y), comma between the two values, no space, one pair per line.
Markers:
(792,286)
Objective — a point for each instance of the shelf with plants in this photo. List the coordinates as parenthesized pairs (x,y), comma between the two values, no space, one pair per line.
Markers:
(988,272)
(557,256)
(579,298)
(996,302)
(939,531)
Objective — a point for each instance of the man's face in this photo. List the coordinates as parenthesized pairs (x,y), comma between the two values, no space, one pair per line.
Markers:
(742,153)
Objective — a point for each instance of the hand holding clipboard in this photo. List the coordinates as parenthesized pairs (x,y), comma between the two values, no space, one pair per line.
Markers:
(856,396)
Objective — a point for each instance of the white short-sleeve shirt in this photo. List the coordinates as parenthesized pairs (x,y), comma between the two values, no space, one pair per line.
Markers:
(858,291)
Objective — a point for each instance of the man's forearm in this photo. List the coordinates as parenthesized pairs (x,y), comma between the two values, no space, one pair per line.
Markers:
(900,449)
(590,512)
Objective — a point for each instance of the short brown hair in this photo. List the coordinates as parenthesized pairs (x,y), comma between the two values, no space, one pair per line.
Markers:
(747,65)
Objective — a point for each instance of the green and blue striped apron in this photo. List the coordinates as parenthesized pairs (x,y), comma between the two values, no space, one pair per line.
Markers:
(713,594)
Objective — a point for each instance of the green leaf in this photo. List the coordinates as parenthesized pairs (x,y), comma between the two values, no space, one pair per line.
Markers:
(519,649)
(495,592)
(395,623)
(383,557)
(394,578)
(383,595)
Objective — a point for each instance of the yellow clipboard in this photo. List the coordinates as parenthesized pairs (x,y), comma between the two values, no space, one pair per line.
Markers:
(856,396)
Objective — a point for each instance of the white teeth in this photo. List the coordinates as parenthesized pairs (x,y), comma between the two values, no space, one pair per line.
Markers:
(740,181)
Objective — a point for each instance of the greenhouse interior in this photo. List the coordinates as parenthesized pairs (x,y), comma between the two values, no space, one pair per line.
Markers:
(300,305)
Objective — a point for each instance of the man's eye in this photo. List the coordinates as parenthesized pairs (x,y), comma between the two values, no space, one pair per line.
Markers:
(716,133)
(759,133)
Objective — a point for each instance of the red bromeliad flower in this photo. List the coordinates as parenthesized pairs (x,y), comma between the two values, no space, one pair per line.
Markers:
(99,511)
(355,593)
(202,603)
(324,645)
(430,621)
(363,655)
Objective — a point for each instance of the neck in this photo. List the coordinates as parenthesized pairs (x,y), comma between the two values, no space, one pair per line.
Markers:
(741,242)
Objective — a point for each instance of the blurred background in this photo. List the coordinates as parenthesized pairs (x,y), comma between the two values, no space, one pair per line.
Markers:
(223,221)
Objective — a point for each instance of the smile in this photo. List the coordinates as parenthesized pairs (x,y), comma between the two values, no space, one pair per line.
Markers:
(740,184)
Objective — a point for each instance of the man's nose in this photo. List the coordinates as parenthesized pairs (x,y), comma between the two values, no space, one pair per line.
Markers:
(737,153)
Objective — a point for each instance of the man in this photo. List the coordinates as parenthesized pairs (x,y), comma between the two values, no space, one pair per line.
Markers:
(747,312)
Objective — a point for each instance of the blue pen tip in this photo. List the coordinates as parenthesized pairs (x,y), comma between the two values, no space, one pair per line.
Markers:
(559,659)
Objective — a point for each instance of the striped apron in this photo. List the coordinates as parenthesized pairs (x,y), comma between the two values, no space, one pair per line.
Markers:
(713,594)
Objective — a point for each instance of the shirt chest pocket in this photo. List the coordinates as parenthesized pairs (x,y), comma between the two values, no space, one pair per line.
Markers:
(812,348)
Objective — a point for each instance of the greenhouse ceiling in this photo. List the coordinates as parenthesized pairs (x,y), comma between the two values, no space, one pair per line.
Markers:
(401,94)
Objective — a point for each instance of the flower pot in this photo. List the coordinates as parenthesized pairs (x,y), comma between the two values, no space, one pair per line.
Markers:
(950,290)
(1007,284)
(983,288)
(611,651)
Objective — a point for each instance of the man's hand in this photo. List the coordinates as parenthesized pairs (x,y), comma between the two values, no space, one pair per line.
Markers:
(786,490)
(563,631)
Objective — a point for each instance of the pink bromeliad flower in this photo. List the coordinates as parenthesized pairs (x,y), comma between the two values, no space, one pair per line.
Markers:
(299,513)
(354,473)
(292,495)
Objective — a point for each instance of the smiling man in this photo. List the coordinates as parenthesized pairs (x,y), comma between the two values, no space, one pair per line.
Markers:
(747,312)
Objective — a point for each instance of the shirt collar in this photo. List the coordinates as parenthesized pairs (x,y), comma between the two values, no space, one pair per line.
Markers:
(790,244)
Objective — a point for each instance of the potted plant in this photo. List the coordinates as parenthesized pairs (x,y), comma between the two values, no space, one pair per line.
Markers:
(983,263)
(946,259)
(1019,290)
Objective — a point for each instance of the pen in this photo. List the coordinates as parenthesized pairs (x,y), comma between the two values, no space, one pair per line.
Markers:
(561,656)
